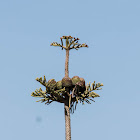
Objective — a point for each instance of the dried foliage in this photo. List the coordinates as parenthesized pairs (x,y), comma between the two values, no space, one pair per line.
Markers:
(71,43)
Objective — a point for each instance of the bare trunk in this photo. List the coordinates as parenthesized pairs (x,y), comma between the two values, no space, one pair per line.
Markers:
(67,123)
(66,105)
(67,64)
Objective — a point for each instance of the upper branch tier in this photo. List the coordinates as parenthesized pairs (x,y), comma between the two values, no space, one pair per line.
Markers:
(71,43)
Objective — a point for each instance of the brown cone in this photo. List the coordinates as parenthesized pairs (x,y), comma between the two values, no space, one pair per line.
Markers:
(52,83)
(82,80)
(66,82)
(75,79)
(59,85)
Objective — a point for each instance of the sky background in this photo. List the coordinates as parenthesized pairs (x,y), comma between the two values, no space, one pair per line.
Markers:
(112,31)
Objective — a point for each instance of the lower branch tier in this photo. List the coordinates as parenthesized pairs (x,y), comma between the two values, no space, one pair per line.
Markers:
(67,90)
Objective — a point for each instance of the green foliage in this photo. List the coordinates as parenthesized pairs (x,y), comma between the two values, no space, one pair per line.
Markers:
(52,93)
(86,96)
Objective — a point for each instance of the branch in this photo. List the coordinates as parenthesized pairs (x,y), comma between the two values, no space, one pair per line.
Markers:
(58,96)
(75,39)
(77,45)
(42,81)
(57,44)
(87,94)
(51,95)
(66,37)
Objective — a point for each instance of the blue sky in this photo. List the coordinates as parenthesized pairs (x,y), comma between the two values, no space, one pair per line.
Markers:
(112,31)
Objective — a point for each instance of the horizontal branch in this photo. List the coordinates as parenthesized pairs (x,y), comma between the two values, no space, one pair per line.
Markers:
(57,44)
(77,45)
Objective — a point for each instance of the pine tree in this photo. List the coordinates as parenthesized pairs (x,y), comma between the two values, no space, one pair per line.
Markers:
(69,91)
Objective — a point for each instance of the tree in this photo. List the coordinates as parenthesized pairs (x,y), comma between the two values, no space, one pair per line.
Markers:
(68,91)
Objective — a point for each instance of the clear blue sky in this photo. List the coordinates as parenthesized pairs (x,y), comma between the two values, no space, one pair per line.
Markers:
(112,31)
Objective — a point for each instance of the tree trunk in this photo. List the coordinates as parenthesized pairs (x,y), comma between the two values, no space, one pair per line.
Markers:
(66,105)
(67,64)
(67,122)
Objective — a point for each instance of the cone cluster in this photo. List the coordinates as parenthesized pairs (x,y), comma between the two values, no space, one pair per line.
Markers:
(68,83)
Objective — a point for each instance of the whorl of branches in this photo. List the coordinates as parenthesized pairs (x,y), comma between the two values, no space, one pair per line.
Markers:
(52,94)
(71,43)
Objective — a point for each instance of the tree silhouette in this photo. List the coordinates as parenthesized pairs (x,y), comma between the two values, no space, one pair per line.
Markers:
(69,91)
